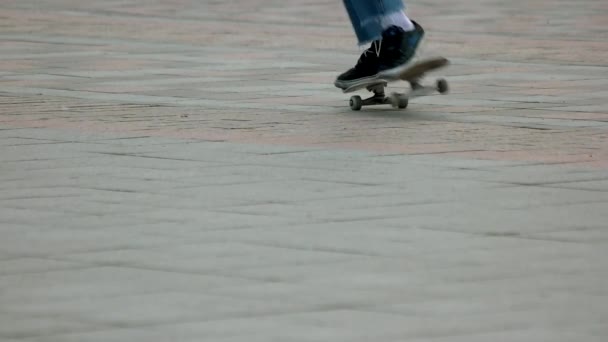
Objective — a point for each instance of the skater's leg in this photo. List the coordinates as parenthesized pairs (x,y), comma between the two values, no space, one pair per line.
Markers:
(393,36)
(370,17)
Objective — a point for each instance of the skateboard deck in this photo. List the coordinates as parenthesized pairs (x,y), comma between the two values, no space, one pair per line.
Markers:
(413,75)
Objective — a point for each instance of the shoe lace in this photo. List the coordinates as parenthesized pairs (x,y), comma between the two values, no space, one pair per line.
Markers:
(377,48)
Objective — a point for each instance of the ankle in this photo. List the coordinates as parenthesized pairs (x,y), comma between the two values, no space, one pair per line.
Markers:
(398,19)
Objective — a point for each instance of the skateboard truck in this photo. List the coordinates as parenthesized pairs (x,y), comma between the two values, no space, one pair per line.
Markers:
(396,100)
(379,97)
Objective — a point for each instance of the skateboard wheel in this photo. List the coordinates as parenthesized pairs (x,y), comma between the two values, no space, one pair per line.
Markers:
(399,101)
(442,86)
(402,102)
(356,102)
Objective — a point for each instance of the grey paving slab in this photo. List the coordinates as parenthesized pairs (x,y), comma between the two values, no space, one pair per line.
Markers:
(34,265)
(24,326)
(403,239)
(98,282)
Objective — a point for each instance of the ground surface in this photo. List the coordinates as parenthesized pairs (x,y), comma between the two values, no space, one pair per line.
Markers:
(186,171)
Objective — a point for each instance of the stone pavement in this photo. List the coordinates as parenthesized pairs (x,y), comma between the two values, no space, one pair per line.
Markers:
(186,171)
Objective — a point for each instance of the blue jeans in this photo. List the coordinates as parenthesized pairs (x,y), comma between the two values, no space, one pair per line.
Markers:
(366,15)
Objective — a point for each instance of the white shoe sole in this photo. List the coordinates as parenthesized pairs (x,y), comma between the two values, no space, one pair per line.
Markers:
(355,83)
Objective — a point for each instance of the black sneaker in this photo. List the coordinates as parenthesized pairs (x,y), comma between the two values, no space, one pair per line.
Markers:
(398,50)
(365,69)
(386,58)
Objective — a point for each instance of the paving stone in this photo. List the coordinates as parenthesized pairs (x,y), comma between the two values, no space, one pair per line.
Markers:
(23,326)
(33,265)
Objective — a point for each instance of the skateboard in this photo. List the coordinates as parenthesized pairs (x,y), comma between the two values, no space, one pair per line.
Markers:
(412,75)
